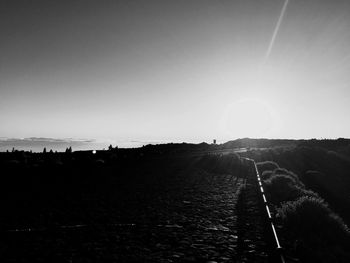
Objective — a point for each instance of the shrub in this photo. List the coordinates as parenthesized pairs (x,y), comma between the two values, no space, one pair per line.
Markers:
(282,188)
(308,193)
(281,171)
(310,218)
(319,234)
(266,175)
(315,178)
(286,172)
(266,166)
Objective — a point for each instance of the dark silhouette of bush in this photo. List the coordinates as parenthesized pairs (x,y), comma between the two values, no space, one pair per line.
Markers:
(281,188)
(266,166)
(330,161)
(322,166)
(68,150)
(283,185)
(322,235)
(319,182)
(266,175)
(287,172)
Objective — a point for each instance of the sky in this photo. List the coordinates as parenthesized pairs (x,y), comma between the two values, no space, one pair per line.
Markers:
(174,71)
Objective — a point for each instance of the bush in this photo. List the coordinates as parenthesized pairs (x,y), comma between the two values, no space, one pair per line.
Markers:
(266,166)
(311,219)
(282,188)
(286,172)
(308,193)
(316,179)
(266,175)
(320,234)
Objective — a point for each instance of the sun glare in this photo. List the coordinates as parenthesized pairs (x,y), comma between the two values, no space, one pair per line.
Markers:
(249,117)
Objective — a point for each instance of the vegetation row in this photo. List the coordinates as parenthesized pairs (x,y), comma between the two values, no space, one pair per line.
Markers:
(317,233)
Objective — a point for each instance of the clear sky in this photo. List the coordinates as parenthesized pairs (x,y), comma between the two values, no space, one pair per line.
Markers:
(181,70)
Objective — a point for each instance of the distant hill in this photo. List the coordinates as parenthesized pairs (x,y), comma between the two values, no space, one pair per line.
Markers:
(330,144)
(259,143)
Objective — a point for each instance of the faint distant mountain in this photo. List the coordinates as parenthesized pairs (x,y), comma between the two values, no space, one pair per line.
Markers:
(37,144)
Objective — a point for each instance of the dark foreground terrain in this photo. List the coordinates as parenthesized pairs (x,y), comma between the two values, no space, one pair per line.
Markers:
(177,203)
(117,206)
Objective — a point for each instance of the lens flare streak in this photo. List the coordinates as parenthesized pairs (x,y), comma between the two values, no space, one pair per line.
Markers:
(274,35)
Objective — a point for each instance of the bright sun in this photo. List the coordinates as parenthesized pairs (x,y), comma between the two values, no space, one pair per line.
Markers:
(250,117)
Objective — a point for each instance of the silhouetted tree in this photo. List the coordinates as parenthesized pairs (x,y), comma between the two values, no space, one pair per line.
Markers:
(69,150)
(44,151)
